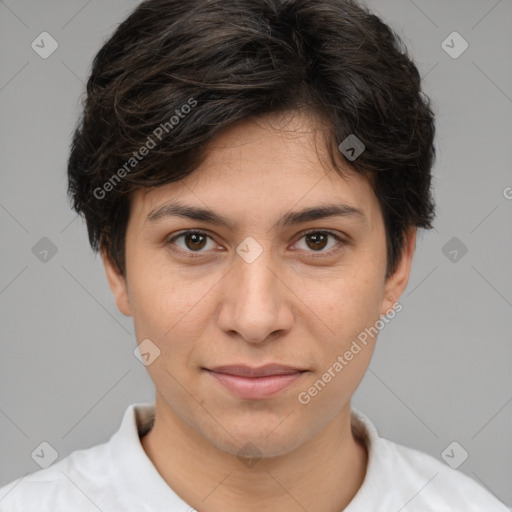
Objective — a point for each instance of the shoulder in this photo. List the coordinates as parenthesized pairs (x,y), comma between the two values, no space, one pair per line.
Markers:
(72,480)
(100,477)
(399,477)
(433,485)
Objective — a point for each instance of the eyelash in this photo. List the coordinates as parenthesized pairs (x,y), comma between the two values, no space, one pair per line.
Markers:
(314,254)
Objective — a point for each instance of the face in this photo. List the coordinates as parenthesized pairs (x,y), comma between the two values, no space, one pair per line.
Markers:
(267,288)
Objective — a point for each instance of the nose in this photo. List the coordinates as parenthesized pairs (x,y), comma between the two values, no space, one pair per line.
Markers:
(256,303)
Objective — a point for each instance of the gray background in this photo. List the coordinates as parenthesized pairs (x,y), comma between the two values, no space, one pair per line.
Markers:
(442,369)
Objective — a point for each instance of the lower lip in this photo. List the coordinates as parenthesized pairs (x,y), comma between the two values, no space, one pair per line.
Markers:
(254,388)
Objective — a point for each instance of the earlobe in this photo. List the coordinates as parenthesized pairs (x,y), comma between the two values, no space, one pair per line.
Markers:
(118,285)
(397,282)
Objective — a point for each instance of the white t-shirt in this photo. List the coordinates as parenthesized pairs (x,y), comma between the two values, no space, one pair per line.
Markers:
(118,476)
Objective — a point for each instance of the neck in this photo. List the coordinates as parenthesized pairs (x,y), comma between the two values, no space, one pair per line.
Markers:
(323,474)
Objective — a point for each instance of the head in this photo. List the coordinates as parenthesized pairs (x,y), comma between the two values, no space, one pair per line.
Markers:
(239,107)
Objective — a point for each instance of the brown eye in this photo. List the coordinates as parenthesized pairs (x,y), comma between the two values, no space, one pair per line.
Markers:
(321,242)
(317,241)
(195,241)
(191,241)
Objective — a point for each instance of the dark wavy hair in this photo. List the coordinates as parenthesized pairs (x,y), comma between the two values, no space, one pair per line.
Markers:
(233,60)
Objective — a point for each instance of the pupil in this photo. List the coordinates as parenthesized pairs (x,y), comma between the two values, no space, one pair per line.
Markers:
(316,237)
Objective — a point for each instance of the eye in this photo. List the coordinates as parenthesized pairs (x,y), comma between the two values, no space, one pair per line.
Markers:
(316,241)
(193,241)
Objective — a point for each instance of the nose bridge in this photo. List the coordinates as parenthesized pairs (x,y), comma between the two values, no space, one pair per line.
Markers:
(254,306)
(257,282)
(253,259)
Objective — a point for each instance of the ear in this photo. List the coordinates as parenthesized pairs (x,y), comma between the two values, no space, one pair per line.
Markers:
(117,283)
(397,282)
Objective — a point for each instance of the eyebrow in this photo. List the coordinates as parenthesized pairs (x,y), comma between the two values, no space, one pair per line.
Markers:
(176,209)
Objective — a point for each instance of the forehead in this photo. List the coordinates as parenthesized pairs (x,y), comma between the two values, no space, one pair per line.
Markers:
(265,165)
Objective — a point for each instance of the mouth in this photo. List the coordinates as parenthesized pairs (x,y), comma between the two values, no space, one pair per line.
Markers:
(252,383)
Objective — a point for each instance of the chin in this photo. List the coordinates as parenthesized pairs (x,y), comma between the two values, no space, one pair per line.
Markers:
(257,442)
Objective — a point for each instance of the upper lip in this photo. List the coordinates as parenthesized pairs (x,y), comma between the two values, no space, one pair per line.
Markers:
(261,371)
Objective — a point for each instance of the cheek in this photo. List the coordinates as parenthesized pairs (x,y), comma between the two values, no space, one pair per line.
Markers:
(352,300)
(342,358)
(171,314)
(170,307)
(351,308)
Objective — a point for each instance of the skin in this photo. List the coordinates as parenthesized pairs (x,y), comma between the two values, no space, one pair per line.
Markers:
(293,305)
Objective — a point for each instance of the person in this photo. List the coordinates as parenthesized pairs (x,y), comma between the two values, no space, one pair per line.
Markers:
(253,174)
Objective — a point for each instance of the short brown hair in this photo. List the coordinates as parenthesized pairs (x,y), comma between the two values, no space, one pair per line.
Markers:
(235,59)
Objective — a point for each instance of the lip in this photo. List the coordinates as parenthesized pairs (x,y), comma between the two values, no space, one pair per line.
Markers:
(242,370)
(255,383)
